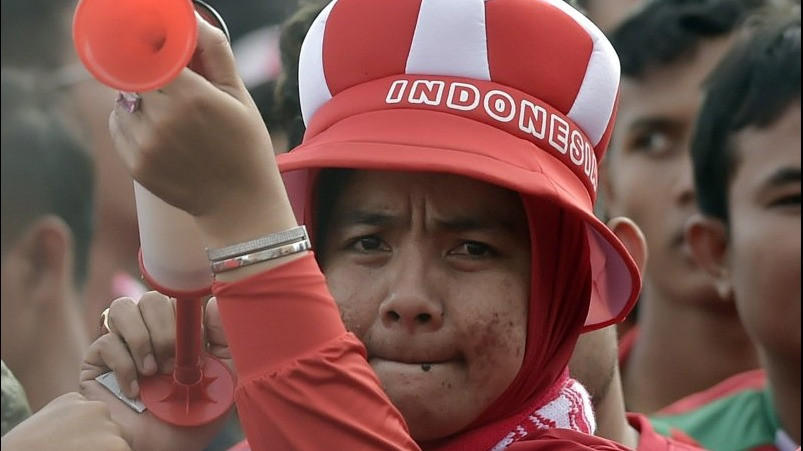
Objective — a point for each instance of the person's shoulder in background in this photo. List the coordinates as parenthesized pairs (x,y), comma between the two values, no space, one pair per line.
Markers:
(15,408)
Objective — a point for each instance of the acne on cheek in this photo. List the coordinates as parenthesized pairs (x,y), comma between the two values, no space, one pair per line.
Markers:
(497,337)
(503,332)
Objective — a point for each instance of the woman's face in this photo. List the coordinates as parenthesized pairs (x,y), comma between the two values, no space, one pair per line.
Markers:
(432,273)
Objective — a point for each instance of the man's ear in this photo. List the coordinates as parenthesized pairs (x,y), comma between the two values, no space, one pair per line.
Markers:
(632,237)
(708,239)
(45,252)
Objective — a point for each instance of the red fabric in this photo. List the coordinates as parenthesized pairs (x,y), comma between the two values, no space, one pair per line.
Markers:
(416,140)
(379,46)
(649,440)
(436,131)
(754,379)
(522,66)
(565,59)
(300,295)
(298,367)
(552,439)
(241,446)
(560,291)
(565,440)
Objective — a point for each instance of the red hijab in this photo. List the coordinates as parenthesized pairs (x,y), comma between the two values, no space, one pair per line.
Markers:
(560,291)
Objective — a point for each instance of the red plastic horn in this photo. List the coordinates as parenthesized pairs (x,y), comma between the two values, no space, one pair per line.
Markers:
(135,45)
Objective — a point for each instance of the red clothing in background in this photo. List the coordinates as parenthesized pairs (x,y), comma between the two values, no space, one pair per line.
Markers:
(649,440)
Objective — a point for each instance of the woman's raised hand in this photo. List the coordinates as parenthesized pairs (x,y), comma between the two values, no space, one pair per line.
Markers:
(201,145)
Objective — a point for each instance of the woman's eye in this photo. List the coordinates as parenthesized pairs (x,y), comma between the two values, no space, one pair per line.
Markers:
(369,244)
(473,249)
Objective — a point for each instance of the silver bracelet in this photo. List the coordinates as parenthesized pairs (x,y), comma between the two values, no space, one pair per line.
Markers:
(277,239)
(259,256)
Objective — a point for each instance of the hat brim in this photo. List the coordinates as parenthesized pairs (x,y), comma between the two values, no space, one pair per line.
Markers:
(432,141)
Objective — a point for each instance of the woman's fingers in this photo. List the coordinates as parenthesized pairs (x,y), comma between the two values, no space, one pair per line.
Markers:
(126,321)
(109,353)
(217,345)
(141,341)
(214,327)
(214,59)
(159,316)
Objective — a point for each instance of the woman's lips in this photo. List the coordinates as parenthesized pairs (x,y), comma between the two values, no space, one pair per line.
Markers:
(407,363)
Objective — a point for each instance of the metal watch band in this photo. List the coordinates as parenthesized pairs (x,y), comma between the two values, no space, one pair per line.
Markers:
(273,240)
(260,256)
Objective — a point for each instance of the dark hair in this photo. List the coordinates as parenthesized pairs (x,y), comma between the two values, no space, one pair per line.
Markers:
(45,170)
(264,95)
(664,31)
(329,185)
(244,16)
(752,86)
(287,102)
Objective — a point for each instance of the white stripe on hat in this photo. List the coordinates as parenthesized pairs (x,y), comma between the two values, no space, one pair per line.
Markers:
(312,87)
(444,44)
(593,106)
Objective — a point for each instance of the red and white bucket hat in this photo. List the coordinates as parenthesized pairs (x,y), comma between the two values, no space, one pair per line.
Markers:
(517,93)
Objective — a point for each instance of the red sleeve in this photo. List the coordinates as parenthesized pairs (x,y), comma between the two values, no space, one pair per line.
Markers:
(649,440)
(297,366)
(556,439)
(748,380)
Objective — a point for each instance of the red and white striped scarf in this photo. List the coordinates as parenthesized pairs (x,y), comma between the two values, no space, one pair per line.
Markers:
(568,407)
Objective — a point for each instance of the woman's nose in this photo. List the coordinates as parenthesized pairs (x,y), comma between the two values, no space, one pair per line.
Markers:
(413,301)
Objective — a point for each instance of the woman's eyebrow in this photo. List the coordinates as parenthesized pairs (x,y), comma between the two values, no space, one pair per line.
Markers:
(460,223)
(476,223)
(366,217)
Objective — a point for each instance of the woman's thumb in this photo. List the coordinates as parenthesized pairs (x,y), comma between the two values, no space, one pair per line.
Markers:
(213,326)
